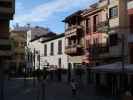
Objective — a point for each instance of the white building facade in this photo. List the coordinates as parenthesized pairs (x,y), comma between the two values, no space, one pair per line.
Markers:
(53,54)
(48,53)
(34,48)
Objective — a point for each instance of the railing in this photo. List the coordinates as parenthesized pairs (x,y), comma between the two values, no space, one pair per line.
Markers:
(73,49)
(73,30)
(74,45)
(6,10)
(74,27)
(99,48)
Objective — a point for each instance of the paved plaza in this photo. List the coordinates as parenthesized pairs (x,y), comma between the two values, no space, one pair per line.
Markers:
(29,89)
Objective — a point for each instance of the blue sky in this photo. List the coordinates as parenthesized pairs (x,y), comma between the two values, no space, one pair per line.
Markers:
(47,13)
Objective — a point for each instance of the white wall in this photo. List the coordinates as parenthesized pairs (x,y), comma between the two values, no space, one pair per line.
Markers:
(53,60)
(36,46)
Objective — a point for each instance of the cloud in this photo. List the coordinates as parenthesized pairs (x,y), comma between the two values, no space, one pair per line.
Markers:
(43,11)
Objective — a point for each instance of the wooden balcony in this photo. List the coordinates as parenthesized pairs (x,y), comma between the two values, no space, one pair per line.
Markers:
(74,50)
(7,8)
(73,30)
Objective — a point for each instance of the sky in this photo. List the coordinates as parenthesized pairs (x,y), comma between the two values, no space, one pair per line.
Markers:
(47,13)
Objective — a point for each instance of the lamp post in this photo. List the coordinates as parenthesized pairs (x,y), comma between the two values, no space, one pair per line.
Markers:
(69,70)
(123,52)
(1,81)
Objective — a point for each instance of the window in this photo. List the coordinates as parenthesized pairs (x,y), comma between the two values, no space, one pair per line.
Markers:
(88,26)
(45,50)
(113,39)
(59,62)
(131,23)
(60,47)
(113,12)
(95,23)
(52,49)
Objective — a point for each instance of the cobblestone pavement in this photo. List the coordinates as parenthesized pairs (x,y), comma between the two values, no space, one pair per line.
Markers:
(18,89)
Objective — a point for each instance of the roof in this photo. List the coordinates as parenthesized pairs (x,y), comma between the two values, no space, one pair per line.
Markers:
(94,8)
(77,13)
(50,34)
(22,29)
(54,38)
(39,30)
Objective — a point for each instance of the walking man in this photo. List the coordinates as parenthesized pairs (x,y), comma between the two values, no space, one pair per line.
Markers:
(74,87)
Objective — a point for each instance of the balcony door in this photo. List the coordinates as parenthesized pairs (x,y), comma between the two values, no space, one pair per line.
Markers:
(131,23)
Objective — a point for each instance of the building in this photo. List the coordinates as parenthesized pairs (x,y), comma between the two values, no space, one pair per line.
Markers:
(34,47)
(106,42)
(7,10)
(49,53)
(96,37)
(74,38)
(130,12)
(106,31)
(36,32)
(18,42)
(54,53)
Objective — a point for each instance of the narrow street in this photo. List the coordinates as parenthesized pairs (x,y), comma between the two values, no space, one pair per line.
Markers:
(16,89)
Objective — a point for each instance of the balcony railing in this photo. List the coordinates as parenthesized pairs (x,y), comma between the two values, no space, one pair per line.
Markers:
(99,49)
(6,10)
(73,49)
(73,30)
(102,26)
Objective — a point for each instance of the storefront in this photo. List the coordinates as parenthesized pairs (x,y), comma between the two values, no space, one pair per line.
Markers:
(113,78)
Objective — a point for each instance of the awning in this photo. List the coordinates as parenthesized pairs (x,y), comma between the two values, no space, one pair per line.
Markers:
(113,68)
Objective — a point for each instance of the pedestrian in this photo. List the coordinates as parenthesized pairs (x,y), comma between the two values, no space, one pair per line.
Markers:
(74,87)
(128,93)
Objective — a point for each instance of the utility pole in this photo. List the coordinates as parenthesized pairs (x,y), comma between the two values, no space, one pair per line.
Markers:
(34,67)
(69,70)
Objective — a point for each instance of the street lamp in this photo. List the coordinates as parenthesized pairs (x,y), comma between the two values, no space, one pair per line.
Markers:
(1,80)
